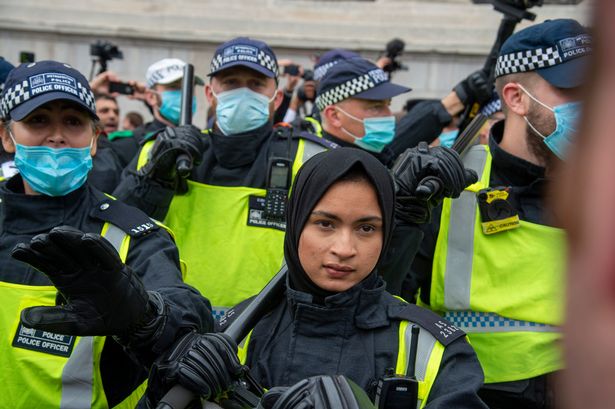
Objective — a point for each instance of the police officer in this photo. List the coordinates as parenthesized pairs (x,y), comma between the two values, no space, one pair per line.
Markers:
(55,309)
(497,258)
(230,224)
(354,95)
(336,317)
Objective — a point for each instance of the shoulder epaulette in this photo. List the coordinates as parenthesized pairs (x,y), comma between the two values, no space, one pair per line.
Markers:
(131,220)
(440,328)
(119,135)
(318,140)
(230,315)
(284,131)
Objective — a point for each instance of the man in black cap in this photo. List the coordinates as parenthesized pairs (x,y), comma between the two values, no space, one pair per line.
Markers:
(354,95)
(228,215)
(493,262)
(77,286)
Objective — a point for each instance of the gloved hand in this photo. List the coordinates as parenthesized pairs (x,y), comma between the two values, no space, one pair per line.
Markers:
(423,177)
(103,296)
(318,392)
(475,88)
(170,143)
(207,364)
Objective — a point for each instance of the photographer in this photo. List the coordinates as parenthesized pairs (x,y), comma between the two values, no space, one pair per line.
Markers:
(292,74)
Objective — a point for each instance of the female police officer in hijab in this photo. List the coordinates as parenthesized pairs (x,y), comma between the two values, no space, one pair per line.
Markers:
(336,317)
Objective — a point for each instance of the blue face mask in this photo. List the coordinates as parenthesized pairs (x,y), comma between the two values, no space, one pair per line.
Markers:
(566,121)
(241,110)
(171,105)
(447,139)
(53,172)
(379,132)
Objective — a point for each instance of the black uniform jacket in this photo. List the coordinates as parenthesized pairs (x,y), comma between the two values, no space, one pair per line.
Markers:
(354,334)
(153,256)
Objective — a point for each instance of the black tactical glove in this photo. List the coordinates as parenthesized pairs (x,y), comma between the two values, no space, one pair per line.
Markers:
(206,364)
(318,392)
(170,144)
(423,177)
(475,88)
(102,295)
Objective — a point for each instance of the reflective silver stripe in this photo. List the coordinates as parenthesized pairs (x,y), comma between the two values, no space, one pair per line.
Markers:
(310,149)
(423,353)
(78,373)
(460,244)
(77,376)
(115,236)
(472,322)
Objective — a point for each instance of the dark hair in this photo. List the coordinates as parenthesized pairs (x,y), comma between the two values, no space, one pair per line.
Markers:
(135,118)
(105,97)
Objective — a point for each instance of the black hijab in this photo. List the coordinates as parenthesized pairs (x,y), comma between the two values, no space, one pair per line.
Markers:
(315,177)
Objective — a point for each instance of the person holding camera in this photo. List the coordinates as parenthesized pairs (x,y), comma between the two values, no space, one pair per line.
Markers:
(77,265)
(492,262)
(161,94)
(228,211)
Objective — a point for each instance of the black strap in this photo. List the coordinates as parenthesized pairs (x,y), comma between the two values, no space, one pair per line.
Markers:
(440,328)
(131,220)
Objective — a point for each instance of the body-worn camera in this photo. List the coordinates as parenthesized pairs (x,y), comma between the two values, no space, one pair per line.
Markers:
(496,212)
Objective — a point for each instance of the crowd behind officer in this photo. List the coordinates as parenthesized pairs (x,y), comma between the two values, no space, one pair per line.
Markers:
(62,284)
(229,212)
(492,262)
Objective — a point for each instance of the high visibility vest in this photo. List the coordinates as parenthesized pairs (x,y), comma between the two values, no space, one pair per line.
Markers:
(428,358)
(505,290)
(47,370)
(227,259)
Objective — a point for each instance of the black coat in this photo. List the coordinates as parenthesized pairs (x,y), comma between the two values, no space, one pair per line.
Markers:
(354,334)
(154,258)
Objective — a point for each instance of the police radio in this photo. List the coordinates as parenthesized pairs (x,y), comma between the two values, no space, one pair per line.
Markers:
(278,184)
(396,391)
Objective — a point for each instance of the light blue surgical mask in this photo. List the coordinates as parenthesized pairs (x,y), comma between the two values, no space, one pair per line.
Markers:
(379,132)
(447,139)
(53,171)
(171,105)
(566,121)
(241,110)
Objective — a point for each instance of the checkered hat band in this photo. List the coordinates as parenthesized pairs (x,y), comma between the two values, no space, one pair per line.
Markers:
(265,60)
(344,91)
(524,61)
(20,93)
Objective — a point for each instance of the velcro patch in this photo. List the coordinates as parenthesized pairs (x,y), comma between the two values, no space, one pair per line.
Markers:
(43,341)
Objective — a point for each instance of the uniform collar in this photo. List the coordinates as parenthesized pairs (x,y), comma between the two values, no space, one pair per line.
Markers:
(239,150)
(362,303)
(512,169)
(29,214)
